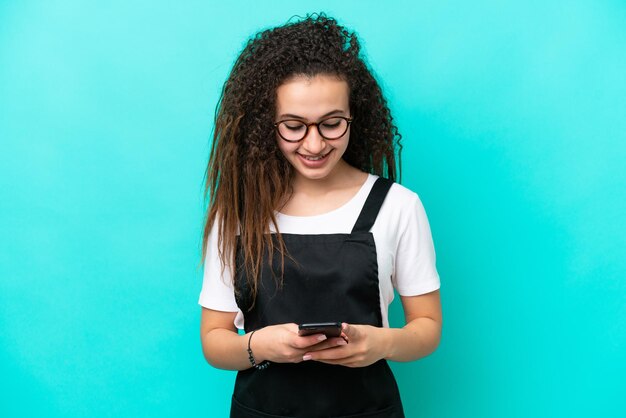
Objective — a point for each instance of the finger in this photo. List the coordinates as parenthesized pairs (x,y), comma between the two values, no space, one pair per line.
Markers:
(292,327)
(333,353)
(348,330)
(346,362)
(308,341)
(338,362)
(329,343)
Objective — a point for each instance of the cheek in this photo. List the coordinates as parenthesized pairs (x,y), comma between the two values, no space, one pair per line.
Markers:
(346,141)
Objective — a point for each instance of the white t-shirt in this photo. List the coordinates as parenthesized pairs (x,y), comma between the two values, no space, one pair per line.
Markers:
(404,247)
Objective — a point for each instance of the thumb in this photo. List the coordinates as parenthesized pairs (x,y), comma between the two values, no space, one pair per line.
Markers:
(348,330)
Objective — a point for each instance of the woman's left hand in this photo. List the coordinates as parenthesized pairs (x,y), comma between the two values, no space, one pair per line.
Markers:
(365,346)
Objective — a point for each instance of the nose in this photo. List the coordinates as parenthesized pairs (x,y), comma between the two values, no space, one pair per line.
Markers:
(313,143)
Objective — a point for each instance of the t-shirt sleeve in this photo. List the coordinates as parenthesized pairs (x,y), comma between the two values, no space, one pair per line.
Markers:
(415,271)
(217,286)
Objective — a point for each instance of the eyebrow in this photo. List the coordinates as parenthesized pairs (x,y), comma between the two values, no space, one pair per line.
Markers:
(290,115)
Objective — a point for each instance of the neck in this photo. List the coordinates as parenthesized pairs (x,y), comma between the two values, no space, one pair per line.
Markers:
(343,175)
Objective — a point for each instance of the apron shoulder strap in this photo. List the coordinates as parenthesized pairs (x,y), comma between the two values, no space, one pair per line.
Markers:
(372,205)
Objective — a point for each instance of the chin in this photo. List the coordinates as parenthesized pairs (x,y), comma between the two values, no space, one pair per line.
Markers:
(312,176)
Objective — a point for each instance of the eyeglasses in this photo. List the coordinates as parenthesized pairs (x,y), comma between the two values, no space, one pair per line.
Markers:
(294,130)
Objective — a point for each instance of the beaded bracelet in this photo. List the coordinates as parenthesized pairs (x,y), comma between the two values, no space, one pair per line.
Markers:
(263,364)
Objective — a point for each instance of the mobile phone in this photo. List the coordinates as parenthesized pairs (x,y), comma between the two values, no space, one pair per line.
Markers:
(330,329)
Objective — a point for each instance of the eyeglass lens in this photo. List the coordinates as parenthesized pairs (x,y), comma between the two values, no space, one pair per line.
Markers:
(294,130)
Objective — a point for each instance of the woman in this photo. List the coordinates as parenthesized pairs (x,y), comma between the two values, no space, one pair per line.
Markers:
(302,229)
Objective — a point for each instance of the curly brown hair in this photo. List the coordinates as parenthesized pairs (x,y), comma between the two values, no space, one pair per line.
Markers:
(247,176)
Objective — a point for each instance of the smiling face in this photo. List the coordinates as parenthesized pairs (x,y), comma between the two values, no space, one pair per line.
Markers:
(312,99)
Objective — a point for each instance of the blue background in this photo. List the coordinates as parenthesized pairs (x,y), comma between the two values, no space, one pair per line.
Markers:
(513,117)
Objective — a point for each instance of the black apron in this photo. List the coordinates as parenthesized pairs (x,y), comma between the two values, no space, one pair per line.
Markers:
(328,278)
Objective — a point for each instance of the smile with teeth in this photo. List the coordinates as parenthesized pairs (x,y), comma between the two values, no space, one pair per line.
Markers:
(314,157)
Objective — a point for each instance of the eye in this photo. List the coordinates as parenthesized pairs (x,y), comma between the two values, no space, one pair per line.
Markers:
(293,126)
(332,123)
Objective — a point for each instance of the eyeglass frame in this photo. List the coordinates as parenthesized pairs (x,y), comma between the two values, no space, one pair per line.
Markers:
(308,125)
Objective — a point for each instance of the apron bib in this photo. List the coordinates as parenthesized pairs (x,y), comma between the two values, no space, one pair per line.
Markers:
(326,278)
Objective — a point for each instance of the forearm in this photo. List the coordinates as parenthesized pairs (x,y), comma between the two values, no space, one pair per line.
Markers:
(226,349)
(415,340)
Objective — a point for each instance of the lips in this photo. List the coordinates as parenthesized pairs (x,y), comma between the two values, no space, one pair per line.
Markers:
(314,161)
(314,158)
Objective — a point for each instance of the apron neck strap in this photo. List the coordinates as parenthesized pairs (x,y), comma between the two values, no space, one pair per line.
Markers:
(372,205)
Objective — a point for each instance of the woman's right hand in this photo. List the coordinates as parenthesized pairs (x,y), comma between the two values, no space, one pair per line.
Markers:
(282,344)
